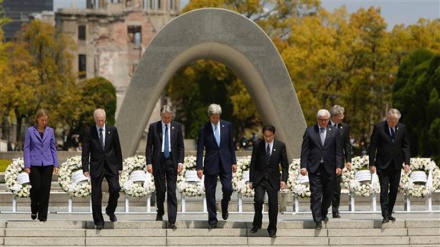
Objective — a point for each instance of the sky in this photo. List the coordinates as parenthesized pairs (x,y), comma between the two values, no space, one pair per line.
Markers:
(394,11)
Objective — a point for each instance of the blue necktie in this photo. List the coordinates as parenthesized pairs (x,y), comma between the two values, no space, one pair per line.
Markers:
(393,134)
(166,148)
(217,135)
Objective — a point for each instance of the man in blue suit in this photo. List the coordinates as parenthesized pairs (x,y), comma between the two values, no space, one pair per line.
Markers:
(321,159)
(102,157)
(215,138)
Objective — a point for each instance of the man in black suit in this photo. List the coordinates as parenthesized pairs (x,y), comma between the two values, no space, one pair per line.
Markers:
(265,177)
(165,156)
(321,159)
(102,157)
(337,115)
(389,149)
(215,138)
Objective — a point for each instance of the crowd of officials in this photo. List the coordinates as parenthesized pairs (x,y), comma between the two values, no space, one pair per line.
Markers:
(325,150)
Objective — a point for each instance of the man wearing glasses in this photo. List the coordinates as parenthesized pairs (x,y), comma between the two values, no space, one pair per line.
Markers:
(321,160)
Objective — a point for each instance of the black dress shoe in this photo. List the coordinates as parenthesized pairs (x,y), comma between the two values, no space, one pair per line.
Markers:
(172,226)
(159,218)
(43,219)
(392,218)
(318,225)
(33,216)
(336,215)
(225,215)
(255,229)
(326,219)
(112,217)
(99,226)
(212,226)
(272,234)
(385,220)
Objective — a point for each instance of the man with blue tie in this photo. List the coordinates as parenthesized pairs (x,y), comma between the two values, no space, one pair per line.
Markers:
(165,156)
(321,160)
(389,149)
(215,138)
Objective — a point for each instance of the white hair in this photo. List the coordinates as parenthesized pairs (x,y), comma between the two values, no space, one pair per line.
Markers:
(323,113)
(214,109)
(394,113)
(99,112)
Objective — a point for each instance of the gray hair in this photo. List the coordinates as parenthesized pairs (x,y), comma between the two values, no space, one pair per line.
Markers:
(167,109)
(336,110)
(214,109)
(99,111)
(323,113)
(394,113)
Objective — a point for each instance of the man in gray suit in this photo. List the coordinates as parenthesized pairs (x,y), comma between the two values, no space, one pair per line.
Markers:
(165,155)
(389,150)
(321,159)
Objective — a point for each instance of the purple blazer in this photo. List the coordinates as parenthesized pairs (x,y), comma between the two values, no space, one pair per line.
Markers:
(40,152)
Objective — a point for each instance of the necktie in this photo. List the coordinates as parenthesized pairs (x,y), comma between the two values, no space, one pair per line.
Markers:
(322,135)
(393,134)
(166,148)
(101,138)
(268,153)
(217,135)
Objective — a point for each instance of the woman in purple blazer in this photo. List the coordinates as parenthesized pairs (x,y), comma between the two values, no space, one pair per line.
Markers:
(40,162)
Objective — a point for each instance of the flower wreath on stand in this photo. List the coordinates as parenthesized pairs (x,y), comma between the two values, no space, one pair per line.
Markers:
(297,187)
(16,179)
(71,178)
(189,189)
(238,184)
(426,176)
(360,186)
(134,180)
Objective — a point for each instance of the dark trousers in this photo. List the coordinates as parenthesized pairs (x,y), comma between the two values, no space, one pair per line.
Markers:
(389,179)
(336,195)
(114,188)
(321,187)
(41,181)
(210,188)
(272,194)
(164,179)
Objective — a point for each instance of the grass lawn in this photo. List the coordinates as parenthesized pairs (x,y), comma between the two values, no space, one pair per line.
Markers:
(4,164)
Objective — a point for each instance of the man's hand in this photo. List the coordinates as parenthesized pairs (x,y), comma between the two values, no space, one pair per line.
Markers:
(179,168)
(250,185)
(234,167)
(303,171)
(119,172)
(282,185)
(372,169)
(338,171)
(406,168)
(150,168)
(200,173)
(348,165)
(87,174)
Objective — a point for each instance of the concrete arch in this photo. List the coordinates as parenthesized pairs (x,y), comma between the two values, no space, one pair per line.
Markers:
(227,37)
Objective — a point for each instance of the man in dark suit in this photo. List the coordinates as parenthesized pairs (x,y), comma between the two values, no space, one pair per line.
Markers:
(265,177)
(102,157)
(388,150)
(165,154)
(321,159)
(337,115)
(215,138)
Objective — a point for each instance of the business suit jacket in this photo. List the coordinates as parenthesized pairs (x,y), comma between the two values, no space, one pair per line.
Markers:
(383,150)
(37,151)
(214,155)
(259,167)
(153,150)
(312,150)
(94,156)
(345,138)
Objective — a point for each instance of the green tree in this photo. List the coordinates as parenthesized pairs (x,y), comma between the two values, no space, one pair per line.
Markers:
(416,95)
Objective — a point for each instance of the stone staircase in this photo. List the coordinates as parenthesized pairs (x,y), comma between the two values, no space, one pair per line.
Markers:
(296,232)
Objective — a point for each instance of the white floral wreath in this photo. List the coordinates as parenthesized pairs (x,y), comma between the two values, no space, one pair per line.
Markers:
(189,189)
(11,176)
(364,188)
(79,189)
(293,183)
(136,189)
(238,184)
(420,189)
